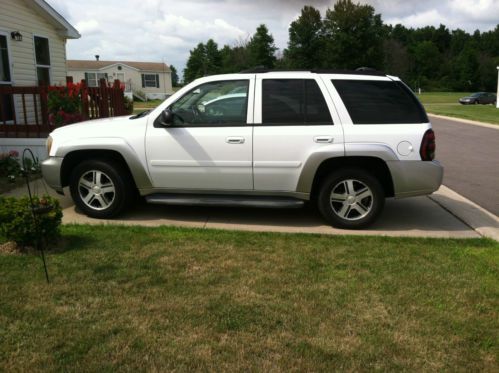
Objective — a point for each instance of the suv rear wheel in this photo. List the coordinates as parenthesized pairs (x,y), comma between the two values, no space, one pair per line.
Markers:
(351,199)
(100,189)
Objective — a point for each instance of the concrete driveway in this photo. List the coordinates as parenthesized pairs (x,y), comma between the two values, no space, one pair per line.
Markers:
(412,217)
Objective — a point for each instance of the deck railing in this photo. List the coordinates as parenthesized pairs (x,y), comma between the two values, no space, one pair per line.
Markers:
(24,111)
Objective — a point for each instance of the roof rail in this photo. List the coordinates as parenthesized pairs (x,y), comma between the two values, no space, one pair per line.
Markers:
(358,71)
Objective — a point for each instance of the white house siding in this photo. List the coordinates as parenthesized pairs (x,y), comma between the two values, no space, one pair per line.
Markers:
(15,15)
(134,76)
(37,146)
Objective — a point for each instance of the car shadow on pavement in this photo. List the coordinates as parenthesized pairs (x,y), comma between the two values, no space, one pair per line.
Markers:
(417,216)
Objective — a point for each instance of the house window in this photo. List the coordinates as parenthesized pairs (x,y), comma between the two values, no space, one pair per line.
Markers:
(150,80)
(93,79)
(42,56)
(4,60)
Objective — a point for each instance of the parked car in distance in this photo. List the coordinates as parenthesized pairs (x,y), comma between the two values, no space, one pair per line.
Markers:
(483,98)
(342,140)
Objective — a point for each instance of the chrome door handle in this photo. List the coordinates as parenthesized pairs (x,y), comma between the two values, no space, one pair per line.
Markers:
(323,139)
(234,140)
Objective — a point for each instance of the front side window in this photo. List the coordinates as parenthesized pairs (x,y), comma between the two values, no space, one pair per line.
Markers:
(214,103)
(42,57)
(293,102)
(380,102)
(150,81)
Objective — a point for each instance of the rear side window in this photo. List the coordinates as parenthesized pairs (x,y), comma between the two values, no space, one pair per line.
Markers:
(380,102)
(293,102)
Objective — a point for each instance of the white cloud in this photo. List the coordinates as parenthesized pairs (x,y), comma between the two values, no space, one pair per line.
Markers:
(87,27)
(158,30)
(430,17)
(486,11)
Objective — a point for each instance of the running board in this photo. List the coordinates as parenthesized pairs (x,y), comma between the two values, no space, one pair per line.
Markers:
(224,200)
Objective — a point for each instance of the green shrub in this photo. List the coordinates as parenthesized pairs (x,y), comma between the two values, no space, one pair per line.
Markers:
(9,164)
(17,224)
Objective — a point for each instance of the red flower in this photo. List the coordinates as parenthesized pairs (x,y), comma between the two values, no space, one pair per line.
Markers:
(13,154)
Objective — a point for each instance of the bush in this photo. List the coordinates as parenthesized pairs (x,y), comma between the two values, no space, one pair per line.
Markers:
(17,224)
(9,164)
(64,104)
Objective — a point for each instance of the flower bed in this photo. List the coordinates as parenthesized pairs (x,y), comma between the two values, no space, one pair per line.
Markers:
(64,104)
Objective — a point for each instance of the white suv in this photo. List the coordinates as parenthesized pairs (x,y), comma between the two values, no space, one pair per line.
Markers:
(344,140)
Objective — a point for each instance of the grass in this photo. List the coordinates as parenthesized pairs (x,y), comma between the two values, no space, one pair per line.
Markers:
(139,106)
(161,299)
(446,103)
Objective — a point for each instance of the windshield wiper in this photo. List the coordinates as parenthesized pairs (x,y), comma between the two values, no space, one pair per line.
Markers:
(140,115)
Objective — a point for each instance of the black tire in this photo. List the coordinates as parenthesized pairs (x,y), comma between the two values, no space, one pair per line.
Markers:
(111,174)
(332,209)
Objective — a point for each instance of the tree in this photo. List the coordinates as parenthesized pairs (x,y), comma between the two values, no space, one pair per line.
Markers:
(195,67)
(467,69)
(174,76)
(426,59)
(213,60)
(396,58)
(354,36)
(305,40)
(236,58)
(261,48)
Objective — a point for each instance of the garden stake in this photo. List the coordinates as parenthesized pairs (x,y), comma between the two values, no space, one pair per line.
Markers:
(38,246)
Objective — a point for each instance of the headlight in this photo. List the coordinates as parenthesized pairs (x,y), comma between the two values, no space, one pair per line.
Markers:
(48,144)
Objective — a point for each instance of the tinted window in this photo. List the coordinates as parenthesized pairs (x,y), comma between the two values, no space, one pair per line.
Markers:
(380,102)
(215,103)
(293,101)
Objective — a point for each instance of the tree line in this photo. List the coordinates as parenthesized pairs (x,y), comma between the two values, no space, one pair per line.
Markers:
(350,36)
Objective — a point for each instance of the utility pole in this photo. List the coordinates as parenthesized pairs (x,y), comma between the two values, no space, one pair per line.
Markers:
(497,96)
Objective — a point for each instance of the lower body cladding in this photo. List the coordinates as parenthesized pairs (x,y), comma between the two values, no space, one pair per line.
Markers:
(415,178)
(410,178)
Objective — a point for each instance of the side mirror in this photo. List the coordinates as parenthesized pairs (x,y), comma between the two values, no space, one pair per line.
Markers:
(165,119)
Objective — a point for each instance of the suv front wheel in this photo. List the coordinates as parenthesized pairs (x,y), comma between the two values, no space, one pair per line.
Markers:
(351,199)
(99,188)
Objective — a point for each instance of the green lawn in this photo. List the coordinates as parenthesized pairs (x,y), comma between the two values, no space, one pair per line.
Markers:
(446,103)
(147,104)
(162,299)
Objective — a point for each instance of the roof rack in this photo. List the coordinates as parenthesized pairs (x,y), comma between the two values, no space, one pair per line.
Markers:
(358,71)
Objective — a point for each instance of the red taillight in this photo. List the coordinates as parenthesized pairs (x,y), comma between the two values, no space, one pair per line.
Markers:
(427,151)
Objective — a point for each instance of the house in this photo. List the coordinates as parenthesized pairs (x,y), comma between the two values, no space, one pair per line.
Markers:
(33,39)
(151,80)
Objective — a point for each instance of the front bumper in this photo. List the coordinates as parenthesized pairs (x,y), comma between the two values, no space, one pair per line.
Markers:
(415,178)
(51,171)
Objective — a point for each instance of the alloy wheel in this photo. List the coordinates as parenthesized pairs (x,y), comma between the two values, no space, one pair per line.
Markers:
(351,199)
(96,190)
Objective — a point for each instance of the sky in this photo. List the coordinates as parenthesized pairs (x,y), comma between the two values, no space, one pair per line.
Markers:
(165,30)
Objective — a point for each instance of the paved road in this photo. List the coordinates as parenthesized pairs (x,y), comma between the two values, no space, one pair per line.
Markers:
(470,155)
